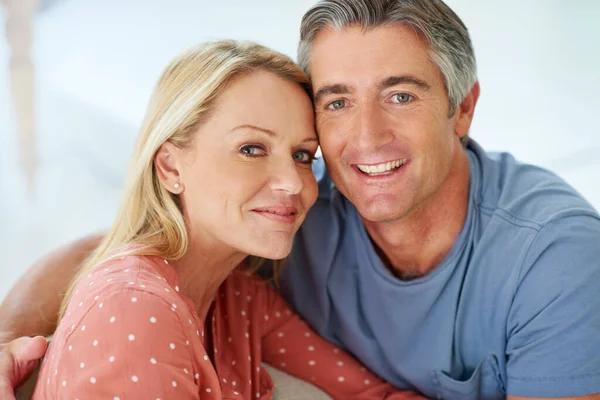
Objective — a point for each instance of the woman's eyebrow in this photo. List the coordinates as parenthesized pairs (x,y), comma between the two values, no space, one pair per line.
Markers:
(258,128)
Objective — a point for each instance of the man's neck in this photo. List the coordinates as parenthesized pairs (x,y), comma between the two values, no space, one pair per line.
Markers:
(416,244)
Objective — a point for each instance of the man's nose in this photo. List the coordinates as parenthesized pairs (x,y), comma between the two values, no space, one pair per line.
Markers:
(372,132)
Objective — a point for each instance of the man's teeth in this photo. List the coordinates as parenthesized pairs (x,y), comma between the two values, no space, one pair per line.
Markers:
(379,168)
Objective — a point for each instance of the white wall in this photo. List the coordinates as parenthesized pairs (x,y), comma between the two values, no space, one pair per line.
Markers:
(98,60)
(539,68)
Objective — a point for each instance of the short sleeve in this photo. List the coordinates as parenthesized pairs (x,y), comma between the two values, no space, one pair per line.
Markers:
(288,343)
(553,328)
(130,344)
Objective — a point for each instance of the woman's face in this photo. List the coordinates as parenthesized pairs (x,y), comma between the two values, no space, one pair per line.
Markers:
(246,179)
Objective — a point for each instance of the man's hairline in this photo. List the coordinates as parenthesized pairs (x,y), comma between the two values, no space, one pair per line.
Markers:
(364,30)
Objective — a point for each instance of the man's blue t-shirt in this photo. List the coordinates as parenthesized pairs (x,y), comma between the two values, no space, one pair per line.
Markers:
(514,308)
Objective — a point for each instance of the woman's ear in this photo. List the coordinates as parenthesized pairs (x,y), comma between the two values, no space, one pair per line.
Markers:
(166,167)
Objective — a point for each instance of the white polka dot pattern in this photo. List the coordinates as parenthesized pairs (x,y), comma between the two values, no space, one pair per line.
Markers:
(143,340)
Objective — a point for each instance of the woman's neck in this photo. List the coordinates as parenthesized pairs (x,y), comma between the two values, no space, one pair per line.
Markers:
(202,270)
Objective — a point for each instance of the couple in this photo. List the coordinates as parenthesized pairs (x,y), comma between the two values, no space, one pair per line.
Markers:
(166,307)
(442,268)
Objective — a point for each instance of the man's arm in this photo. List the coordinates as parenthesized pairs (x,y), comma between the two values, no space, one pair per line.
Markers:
(18,359)
(553,346)
(31,308)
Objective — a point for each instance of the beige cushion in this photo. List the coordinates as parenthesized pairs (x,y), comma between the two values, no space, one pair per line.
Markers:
(288,387)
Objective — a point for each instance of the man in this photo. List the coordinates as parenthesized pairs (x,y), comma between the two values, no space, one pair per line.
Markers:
(443,268)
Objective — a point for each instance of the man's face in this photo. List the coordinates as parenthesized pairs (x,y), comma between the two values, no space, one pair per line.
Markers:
(382,118)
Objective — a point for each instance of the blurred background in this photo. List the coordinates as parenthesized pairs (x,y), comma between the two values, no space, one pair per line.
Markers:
(95,63)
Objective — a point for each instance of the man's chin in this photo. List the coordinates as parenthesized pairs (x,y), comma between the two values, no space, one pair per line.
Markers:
(376,205)
(379,213)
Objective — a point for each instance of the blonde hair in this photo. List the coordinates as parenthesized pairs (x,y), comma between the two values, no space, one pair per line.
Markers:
(182,99)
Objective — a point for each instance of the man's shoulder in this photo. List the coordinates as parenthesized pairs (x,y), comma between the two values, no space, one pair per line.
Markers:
(534,221)
(524,194)
(530,221)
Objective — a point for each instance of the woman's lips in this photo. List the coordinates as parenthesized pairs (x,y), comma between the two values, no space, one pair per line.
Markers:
(280,213)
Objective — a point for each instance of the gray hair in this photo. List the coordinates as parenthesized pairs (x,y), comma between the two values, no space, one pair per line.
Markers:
(447,36)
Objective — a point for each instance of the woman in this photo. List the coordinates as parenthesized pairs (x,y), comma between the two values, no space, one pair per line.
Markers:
(166,309)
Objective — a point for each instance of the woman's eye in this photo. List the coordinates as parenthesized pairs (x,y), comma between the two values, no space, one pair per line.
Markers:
(253,150)
(337,105)
(402,97)
(303,156)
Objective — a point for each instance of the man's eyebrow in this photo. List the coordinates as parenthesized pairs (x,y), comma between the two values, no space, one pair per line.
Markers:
(330,89)
(258,128)
(403,79)
(384,84)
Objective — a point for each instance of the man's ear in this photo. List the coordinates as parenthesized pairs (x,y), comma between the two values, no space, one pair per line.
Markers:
(166,167)
(465,111)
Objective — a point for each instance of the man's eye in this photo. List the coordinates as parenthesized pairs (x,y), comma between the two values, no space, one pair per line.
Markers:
(252,150)
(303,156)
(402,97)
(336,105)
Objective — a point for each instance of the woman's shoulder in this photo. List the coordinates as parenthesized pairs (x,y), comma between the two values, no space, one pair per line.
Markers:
(125,316)
(125,275)
(127,292)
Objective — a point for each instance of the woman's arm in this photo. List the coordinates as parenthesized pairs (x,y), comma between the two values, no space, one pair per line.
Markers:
(290,344)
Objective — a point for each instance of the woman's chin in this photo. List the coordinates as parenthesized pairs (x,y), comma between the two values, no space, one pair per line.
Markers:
(274,251)
(279,255)
(269,245)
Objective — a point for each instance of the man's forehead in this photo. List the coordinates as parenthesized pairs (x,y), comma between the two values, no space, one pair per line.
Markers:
(376,47)
(355,57)
(345,54)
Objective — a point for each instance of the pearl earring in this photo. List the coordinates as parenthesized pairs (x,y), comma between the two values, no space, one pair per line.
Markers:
(177,186)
